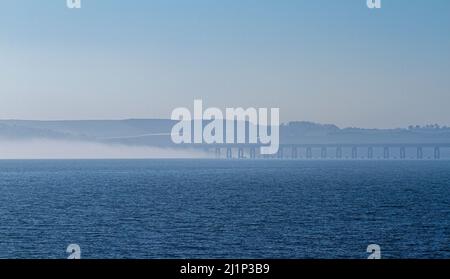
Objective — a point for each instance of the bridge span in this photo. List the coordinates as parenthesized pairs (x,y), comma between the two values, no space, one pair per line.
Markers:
(378,151)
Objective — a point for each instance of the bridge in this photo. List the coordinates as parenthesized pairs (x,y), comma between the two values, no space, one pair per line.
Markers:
(386,151)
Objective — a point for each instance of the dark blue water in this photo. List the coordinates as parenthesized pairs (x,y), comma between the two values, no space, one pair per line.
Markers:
(224,209)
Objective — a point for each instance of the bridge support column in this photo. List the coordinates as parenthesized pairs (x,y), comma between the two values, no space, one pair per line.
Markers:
(294,152)
(280,154)
(229,153)
(338,152)
(240,153)
(386,153)
(217,152)
(370,153)
(308,153)
(437,153)
(402,153)
(354,152)
(419,153)
(252,153)
(323,153)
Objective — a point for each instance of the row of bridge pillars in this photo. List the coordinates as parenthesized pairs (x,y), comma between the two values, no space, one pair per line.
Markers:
(240,155)
(323,153)
(437,153)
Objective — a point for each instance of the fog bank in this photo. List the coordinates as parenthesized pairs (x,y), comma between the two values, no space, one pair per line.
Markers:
(67,149)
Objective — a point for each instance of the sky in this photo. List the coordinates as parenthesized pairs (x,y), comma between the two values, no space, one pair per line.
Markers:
(326,61)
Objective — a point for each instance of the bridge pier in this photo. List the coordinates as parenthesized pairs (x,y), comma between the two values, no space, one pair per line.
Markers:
(386,153)
(370,152)
(402,153)
(217,153)
(323,153)
(419,153)
(354,152)
(229,153)
(252,153)
(280,154)
(437,153)
(294,153)
(338,152)
(308,153)
(240,153)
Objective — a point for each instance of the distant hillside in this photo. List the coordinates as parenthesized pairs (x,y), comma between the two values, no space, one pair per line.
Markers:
(156,132)
(140,131)
(307,132)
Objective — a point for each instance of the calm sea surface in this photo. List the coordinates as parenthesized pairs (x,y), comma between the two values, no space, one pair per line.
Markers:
(224,209)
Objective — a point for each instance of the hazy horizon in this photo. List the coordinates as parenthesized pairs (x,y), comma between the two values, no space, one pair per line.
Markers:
(322,61)
(281,123)
(73,149)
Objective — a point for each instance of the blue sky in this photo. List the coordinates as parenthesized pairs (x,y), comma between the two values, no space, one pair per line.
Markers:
(327,61)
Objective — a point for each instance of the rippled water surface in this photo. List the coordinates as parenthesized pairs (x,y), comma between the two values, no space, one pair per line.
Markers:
(224,209)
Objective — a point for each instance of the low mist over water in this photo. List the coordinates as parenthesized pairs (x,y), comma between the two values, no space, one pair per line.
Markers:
(71,149)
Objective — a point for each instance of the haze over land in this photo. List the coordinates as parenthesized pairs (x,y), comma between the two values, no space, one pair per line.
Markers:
(150,138)
(326,61)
